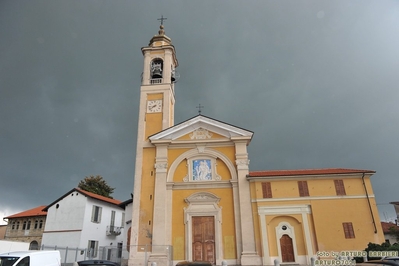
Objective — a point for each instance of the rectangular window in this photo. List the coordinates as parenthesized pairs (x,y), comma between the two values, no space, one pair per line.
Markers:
(96,214)
(92,249)
(112,219)
(348,230)
(120,247)
(303,188)
(267,190)
(123,220)
(339,187)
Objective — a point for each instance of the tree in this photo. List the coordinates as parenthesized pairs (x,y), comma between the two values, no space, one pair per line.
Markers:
(97,185)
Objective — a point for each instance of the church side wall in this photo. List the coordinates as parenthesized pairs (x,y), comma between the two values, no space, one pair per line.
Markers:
(316,220)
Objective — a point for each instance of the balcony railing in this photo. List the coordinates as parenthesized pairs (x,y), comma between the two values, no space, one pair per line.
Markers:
(113,230)
(156,81)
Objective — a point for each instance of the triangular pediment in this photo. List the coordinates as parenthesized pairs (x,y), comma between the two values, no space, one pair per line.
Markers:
(201,128)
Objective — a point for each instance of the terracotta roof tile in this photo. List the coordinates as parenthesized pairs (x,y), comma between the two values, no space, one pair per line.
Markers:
(87,194)
(386,226)
(297,172)
(38,211)
(99,197)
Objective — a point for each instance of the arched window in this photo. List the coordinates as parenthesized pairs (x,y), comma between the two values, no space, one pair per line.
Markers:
(24,226)
(40,224)
(28,227)
(18,225)
(157,68)
(13,225)
(36,224)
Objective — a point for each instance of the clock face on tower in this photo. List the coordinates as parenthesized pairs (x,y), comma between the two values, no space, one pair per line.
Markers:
(154,106)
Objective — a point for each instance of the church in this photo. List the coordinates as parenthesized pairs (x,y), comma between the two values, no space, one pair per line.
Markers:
(195,198)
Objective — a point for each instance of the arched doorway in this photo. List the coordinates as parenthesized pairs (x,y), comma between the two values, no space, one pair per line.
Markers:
(287,249)
(34,245)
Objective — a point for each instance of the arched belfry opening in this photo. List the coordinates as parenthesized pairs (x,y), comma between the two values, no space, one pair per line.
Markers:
(157,68)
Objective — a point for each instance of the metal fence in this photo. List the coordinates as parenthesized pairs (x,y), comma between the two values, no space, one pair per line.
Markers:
(119,254)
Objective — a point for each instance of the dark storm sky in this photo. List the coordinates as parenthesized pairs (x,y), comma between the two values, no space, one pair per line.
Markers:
(317,81)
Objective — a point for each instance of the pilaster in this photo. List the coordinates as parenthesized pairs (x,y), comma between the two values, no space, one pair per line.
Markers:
(249,255)
(159,231)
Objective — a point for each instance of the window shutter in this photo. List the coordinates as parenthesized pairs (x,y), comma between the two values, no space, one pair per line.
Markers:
(93,213)
(112,218)
(303,188)
(348,230)
(123,220)
(266,190)
(339,187)
(99,215)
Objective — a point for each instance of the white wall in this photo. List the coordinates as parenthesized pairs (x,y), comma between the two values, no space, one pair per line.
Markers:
(128,222)
(64,221)
(69,215)
(70,225)
(97,231)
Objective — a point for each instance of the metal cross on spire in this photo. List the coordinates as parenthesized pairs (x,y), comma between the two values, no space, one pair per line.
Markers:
(199,108)
(162,19)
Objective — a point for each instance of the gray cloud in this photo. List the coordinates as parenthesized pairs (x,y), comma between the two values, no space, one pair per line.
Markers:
(315,80)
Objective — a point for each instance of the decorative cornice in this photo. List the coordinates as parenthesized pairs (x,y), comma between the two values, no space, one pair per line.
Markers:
(202,197)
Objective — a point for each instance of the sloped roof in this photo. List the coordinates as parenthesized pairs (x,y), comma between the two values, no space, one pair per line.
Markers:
(387,226)
(38,211)
(99,197)
(87,194)
(298,172)
(125,203)
(201,121)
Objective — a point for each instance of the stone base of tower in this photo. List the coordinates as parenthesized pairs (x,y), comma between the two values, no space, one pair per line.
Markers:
(138,259)
(159,259)
(250,259)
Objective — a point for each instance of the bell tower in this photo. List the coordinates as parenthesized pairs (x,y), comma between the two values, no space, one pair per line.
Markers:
(156,113)
(159,76)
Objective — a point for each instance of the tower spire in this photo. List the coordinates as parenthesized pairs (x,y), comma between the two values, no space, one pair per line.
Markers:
(161,27)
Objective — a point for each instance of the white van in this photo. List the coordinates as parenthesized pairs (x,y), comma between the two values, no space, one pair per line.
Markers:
(31,258)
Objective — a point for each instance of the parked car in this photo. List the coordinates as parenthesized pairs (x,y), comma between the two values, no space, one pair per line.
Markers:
(194,263)
(387,261)
(31,258)
(96,263)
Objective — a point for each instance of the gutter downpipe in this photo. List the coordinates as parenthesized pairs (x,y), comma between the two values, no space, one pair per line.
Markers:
(368,200)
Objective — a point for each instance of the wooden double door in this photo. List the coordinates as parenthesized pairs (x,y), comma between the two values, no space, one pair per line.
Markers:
(203,238)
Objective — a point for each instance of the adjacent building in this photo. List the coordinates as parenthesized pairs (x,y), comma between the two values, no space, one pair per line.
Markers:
(87,221)
(27,226)
(3,231)
(391,232)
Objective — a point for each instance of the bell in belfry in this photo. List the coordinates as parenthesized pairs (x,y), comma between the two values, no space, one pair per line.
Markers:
(156,70)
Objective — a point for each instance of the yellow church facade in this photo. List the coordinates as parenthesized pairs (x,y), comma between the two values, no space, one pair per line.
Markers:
(196,200)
